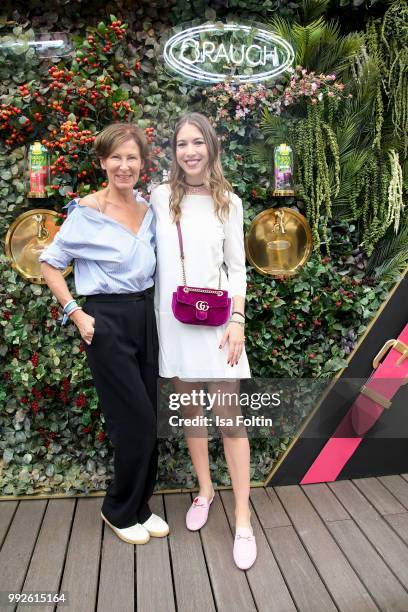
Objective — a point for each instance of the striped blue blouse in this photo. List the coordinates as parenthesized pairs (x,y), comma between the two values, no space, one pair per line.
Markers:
(109,258)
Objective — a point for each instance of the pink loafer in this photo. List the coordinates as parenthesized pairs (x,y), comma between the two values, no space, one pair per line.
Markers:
(197,514)
(244,548)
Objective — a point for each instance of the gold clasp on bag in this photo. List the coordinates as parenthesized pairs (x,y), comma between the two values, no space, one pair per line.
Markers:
(202,305)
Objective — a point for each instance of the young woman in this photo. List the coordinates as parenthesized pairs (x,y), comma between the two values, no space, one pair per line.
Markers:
(211,220)
(110,235)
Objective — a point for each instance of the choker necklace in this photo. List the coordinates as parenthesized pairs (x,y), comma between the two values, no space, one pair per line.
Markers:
(195,189)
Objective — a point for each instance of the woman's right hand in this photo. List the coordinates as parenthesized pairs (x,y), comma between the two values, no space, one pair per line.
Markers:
(85,324)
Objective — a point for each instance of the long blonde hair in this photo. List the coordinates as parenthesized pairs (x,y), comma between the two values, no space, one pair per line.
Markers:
(214,180)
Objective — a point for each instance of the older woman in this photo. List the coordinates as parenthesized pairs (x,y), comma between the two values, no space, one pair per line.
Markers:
(110,236)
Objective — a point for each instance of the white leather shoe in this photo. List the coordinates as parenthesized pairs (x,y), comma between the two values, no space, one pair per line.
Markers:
(136,534)
(156,526)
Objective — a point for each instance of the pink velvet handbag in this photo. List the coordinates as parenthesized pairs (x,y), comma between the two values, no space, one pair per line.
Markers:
(199,305)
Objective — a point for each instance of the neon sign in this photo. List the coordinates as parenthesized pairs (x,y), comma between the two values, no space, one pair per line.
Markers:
(213,52)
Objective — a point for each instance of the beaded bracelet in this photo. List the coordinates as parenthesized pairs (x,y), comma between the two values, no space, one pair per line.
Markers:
(68,309)
(239,322)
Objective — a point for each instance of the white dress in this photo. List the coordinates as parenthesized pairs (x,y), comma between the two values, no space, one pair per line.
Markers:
(192,351)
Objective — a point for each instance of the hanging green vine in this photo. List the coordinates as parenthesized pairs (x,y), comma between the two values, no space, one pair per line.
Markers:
(394,35)
(375,52)
(315,144)
(377,197)
(395,195)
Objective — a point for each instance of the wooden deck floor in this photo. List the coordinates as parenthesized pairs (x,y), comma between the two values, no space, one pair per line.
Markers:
(342,546)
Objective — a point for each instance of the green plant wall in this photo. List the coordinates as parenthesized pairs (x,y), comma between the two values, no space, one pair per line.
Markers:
(52,436)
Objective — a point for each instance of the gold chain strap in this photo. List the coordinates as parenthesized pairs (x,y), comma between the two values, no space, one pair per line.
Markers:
(187,289)
(196,290)
(215,291)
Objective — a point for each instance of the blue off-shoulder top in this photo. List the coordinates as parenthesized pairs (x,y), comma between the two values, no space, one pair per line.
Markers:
(109,258)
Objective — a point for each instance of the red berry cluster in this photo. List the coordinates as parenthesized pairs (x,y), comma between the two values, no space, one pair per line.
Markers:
(47,436)
(59,166)
(347,294)
(80,401)
(37,393)
(59,77)
(57,107)
(150,134)
(72,137)
(54,313)
(24,91)
(49,392)
(101,436)
(115,27)
(35,360)
(63,395)
(118,112)
(15,125)
(86,429)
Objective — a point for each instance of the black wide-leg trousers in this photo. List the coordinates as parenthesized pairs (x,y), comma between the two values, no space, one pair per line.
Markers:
(123,358)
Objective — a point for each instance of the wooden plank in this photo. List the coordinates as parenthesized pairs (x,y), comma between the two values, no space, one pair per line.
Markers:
(399,522)
(327,505)
(398,487)
(191,581)
(229,583)
(153,569)
(340,579)
(18,545)
(117,574)
(274,514)
(304,582)
(80,579)
(45,571)
(376,529)
(7,510)
(268,508)
(264,576)
(384,587)
(378,495)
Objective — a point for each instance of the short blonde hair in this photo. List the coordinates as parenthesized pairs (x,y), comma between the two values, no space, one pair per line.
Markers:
(115,135)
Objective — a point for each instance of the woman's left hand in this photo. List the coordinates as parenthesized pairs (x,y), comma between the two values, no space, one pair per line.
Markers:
(235,336)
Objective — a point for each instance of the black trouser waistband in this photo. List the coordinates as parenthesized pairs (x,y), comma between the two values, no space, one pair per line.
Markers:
(121,297)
